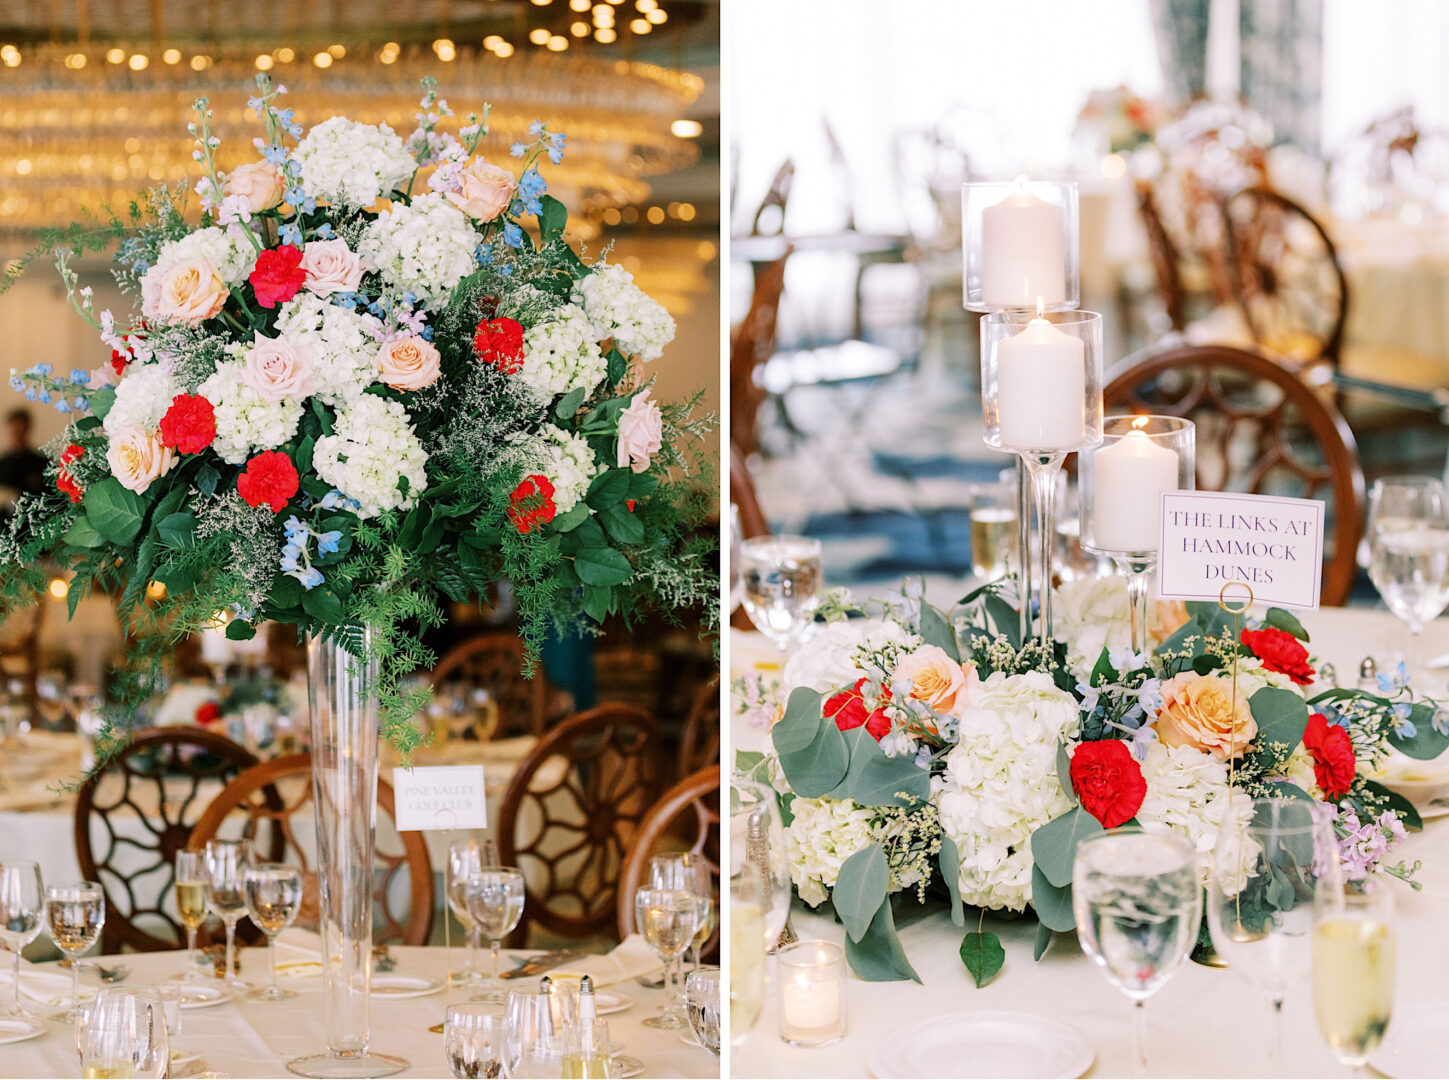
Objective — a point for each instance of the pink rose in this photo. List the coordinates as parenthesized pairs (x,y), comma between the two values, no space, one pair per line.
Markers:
(137,458)
(484,191)
(331,266)
(936,679)
(260,182)
(409,363)
(278,369)
(188,290)
(641,430)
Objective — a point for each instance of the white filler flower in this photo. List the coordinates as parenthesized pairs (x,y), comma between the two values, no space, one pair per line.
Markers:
(619,309)
(371,453)
(350,164)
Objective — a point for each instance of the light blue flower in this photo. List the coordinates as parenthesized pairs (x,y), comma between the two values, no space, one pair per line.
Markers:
(1391,683)
(289,233)
(62,406)
(1404,728)
(30,393)
(324,231)
(17,384)
(1440,721)
(1089,694)
(45,398)
(556,154)
(536,128)
(484,254)
(42,369)
(327,542)
(275,154)
(1142,739)
(513,235)
(79,376)
(518,149)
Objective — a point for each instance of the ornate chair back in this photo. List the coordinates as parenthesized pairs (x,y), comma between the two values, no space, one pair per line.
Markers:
(20,652)
(699,738)
(769,219)
(494,661)
(752,343)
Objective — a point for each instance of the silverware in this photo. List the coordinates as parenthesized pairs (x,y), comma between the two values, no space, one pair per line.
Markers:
(537,965)
(107,974)
(382,959)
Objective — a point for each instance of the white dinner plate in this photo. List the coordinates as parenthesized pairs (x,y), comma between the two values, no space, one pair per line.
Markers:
(626,1066)
(607,1002)
(986,1043)
(180,1059)
(1417,1043)
(404,986)
(201,996)
(13,1031)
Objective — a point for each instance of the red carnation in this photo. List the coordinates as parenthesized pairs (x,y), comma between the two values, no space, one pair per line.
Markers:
(269,478)
(1334,763)
(119,360)
(70,454)
(63,479)
(208,712)
(278,275)
(847,709)
(531,504)
(499,342)
(1108,781)
(1280,651)
(189,425)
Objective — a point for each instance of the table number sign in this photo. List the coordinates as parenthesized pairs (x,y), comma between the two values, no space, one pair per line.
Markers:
(1273,545)
(439,797)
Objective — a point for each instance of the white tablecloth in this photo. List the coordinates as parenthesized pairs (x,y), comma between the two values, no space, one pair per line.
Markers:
(1204,1022)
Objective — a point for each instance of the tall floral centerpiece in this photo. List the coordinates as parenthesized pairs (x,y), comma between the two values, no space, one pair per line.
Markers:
(368,372)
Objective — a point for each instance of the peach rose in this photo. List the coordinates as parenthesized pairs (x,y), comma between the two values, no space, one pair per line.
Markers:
(137,458)
(484,192)
(260,181)
(278,369)
(641,433)
(409,363)
(188,290)
(1171,616)
(332,267)
(1199,711)
(936,679)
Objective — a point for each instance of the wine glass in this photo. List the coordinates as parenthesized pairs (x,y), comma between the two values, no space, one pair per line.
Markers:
(747,952)
(191,901)
(273,895)
(1138,905)
(529,1042)
(1409,552)
(473,1039)
(737,537)
(1353,969)
(780,576)
(993,528)
(668,919)
(494,895)
(22,904)
(701,1001)
(123,1034)
(465,858)
(687,872)
(225,865)
(74,915)
(1260,886)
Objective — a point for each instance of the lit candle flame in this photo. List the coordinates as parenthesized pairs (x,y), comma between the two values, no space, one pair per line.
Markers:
(1139,423)
(1040,308)
(1020,182)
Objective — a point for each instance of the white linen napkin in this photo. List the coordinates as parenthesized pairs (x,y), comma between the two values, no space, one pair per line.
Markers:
(47,984)
(630,959)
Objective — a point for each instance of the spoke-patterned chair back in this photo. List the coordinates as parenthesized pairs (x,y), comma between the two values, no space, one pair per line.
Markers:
(20,652)
(494,662)
(699,738)
(570,813)
(1261,429)
(752,342)
(135,814)
(271,805)
(685,819)
(770,217)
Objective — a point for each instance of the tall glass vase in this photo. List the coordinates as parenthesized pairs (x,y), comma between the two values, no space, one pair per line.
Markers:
(343,699)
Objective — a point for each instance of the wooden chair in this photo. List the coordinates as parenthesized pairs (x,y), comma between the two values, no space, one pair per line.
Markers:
(494,661)
(699,739)
(570,813)
(1261,427)
(685,819)
(135,814)
(267,797)
(766,221)
(752,343)
(752,518)
(20,651)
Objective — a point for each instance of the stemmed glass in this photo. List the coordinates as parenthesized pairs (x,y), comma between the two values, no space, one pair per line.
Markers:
(191,901)
(687,872)
(737,537)
(225,894)
(701,1000)
(74,915)
(473,1039)
(495,897)
(1138,905)
(1264,874)
(21,906)
(668,919)
(465,859)
(1408,528)
(123,1034)
(1353,969)
(273,895)
(530,1043)
(780,576)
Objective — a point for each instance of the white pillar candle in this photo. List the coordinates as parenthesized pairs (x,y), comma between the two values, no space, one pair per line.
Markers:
(1130,475)
(1023,256)
(810,1009)
(1041,389)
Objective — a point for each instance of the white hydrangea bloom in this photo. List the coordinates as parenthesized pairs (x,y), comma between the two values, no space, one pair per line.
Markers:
(561,353)
(569,464)
(344,345)
(829,659)
(1253,676)
(371,450)
(346,163)
(1187,795)
(246,423)
(232,255)
(425,248)
(1298,769)
(1000,783)
(1089,614)
(142,398)
(619,309)
(823,834)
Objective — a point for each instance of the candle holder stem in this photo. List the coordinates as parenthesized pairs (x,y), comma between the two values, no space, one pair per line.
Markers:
(1043,468)
(1023,546)
(1138,569)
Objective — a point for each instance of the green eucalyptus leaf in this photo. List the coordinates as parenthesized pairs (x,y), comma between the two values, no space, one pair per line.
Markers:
(1053,903)
(937,631)
(862,884)
(1054,845)
(878,956)
(1286,621)
(983,956)
(949,860)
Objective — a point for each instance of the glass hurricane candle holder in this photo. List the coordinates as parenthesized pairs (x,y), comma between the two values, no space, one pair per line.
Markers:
(812,993)
(1019,245)
(1121,483)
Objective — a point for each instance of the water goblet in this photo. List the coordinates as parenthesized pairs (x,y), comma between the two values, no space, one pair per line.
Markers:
(473,1039)
(667,919)
(191,901)
(1353,969)
(225,895)
(747,953)
(22,907)
(74,915)
(688,872)
(530,1042)
(701,1000)
(495,898)
(273,895)
(1408,528)
(465,858)
(780,576)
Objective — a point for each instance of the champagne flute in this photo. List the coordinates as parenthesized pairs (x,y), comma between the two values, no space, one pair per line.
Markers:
(225,864)
(737,537)
(529,1046)
(1353,970)
(122,1034)
(993,528)
(747,953)
(1264,872)
(465,858)
(473,1039)
(668,919)
(74,915)
(22,904)
(495,897)
(1409,552)
(701,1000)
(273,895)
(780,576)
(1138,905)
(191,901)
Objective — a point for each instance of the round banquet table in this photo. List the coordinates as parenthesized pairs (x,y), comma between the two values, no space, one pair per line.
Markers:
(1203,1022)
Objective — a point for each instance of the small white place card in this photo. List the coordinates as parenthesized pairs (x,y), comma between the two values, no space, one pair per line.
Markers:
(1209,539)
(439,797)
